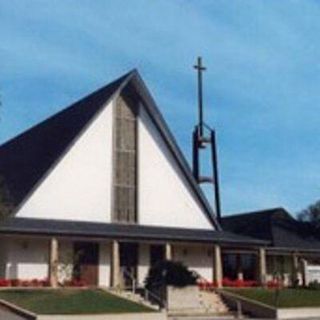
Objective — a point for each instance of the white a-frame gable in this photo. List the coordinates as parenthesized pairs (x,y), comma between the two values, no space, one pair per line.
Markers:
(78,187)
(165,196)
(88,182)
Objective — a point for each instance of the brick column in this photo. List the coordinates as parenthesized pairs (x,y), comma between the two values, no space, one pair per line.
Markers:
(262,267)
(53,262)
(115,264)
(168,251)
(218,271)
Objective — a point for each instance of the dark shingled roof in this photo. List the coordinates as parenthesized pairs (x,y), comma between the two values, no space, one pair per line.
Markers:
(26,159)
(121,231)
(274,225)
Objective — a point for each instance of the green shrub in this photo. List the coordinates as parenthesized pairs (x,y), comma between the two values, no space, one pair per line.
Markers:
(314,285)
(169,273)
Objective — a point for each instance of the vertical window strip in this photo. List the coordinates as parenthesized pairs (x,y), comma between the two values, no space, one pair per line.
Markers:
(125,186)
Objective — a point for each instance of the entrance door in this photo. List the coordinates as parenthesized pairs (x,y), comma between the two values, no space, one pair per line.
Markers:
(157,254)
(128,263)
(86,260)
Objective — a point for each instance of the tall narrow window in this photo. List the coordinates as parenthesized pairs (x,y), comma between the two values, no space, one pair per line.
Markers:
(125,177)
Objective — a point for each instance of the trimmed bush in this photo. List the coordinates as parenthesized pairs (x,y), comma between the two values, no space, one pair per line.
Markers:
(314,285)
(170,273)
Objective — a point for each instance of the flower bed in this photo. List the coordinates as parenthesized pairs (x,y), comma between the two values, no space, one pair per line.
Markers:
(206,285)
(38,283)
(24,283)
(275,284)
(74,283)
(238,283)
(226,282)
(5,283)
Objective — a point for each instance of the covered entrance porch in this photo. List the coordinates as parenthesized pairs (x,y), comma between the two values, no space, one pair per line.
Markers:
(111,255)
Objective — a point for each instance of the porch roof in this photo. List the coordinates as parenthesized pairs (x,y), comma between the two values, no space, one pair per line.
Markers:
(69,228)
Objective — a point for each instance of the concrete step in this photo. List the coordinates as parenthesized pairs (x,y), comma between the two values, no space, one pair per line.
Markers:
(200,317)
(212,302)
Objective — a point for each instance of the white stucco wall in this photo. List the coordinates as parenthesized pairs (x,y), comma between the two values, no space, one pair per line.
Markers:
(79,187)
(104,264)
(27,259)
(143,262)
(198,258)
(165,198)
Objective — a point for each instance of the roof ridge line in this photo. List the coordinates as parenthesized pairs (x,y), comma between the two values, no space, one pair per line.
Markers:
(255,212)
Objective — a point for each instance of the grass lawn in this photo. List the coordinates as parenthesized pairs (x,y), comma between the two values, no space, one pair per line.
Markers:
(70,301)
(288,298)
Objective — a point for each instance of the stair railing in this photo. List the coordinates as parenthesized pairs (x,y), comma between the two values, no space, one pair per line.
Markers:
(149,295)
(133,280)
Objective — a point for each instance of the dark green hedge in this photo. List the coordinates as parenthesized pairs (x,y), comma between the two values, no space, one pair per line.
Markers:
(170,273)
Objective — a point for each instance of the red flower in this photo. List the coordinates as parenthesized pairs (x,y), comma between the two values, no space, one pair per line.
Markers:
(74,283)
(4,283)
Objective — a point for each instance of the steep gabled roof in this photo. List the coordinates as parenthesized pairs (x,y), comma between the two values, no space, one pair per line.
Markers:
(274,225)
(27,159)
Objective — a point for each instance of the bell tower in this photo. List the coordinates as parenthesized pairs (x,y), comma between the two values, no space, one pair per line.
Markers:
(204,138)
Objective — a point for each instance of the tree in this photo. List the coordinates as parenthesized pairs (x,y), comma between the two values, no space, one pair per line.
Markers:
(311,214)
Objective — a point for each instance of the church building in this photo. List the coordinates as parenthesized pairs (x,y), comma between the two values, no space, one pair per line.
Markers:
(101,192)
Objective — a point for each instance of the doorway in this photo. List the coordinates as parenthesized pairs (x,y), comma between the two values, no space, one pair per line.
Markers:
(128,263)
(86,262)
(235,264)
(157,254)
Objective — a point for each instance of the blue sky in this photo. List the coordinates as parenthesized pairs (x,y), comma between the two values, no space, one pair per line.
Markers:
(261,88)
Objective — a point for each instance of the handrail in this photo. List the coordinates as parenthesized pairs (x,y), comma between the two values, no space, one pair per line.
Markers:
(132,278)
(147,293)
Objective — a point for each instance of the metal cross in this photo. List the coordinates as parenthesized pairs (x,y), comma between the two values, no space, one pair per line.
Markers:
(200,68)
